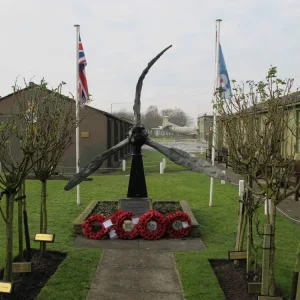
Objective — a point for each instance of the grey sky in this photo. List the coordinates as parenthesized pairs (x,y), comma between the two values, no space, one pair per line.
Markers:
(121,37)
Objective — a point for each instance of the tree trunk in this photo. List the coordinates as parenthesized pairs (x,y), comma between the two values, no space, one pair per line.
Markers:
(8,275)
(44,212)
(272,250)
(26,228)
(20,223)
(249,249)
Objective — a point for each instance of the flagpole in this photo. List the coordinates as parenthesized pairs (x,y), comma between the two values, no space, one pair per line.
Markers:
(77,111)
(217,84)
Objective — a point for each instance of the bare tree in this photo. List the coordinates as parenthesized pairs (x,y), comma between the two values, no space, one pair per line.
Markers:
(261,136)
(55,127)
(18,145)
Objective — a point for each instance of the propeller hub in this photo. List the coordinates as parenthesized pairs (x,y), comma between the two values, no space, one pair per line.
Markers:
(137,135)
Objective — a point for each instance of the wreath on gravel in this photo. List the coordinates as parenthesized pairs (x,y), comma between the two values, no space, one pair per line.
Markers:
(152,225)
(88,227)
(125,226)
(179,224)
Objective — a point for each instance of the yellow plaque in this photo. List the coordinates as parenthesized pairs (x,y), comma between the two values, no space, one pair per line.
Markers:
(21,267)
(235,255)
(85,134)
(5,287)
(44,237)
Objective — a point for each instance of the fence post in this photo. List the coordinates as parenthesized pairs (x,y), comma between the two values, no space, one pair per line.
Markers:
(164,162)
(241,187)
(241,224)
(161,168)
(266,206)
(124,165)
(201,150)
(223,181)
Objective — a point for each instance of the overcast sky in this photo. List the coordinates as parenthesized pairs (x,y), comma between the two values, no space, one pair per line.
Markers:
(121,37)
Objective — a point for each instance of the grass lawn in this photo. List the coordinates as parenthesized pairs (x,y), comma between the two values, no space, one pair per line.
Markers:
(217,225)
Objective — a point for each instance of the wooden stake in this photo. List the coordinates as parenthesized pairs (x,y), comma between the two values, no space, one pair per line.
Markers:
(20,223)
(295,283)
(266,259)
(249,250)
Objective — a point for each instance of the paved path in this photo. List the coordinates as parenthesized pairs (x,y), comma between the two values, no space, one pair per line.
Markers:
(288,208)
(136,275)
(188,244)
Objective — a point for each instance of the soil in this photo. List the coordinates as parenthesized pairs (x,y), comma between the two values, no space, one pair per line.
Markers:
(28,285)
(108,208)
(233,279)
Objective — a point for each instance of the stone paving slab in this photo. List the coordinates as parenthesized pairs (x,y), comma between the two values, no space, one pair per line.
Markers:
(189,244)
(146,280)
(137,259)
(83,242)
(95,294)
(150,280)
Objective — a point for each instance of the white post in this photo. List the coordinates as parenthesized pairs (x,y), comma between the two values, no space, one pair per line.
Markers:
(201,150)
(241,187)
(268,205)
(124,165)
(161,168)
(77,110)
(164,162)
(223,181)
(217,84)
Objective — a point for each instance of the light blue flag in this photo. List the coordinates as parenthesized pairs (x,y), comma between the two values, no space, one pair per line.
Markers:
(223,76)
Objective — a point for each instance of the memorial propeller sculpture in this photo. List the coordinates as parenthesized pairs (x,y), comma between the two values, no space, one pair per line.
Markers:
(137,137)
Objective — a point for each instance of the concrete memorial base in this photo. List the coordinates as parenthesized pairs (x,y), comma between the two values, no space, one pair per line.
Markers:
(136,207)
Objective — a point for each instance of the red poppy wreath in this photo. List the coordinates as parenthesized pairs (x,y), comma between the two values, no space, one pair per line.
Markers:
(152,225)
(179,224)
(126,225)
(93,228)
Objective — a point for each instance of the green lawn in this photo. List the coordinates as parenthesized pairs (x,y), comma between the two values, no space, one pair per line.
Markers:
(217,225)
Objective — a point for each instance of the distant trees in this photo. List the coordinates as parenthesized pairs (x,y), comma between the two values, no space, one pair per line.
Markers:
(123,113)
(177,116)
(153,117)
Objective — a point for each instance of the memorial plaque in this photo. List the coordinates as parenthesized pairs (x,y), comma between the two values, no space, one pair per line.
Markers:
(41,237)
(5,287)
(22,267)
(137,206)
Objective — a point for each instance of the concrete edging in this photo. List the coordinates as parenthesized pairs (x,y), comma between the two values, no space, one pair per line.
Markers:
(86,212)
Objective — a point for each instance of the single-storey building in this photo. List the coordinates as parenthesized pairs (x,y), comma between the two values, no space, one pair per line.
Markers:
(99,131)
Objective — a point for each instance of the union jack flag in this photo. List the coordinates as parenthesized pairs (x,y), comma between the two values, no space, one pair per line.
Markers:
(82,84)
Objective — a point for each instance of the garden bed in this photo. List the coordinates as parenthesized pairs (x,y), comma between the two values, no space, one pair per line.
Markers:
(108,208)
(233,279)
(28,285)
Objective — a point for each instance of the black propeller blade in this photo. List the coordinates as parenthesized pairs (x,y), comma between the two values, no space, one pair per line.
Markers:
(184,159)
(139,85)
(94,165)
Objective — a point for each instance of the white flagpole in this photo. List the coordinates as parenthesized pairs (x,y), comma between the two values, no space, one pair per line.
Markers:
(217,84)
(77,110)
